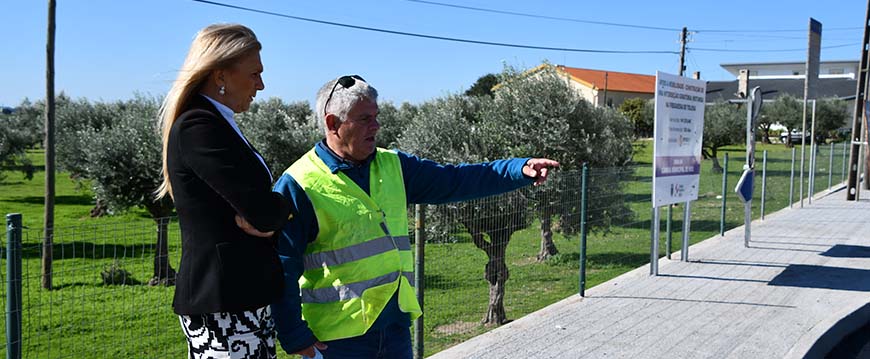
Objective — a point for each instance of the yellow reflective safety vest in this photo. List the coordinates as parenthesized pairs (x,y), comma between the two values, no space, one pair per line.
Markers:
(362,254)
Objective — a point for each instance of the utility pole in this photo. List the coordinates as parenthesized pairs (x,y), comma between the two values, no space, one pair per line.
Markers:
(860,97)
(683,35)
(684,253)
(686,214)
(49,150)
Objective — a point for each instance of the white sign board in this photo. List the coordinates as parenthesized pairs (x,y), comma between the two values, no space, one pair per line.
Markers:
(678,132)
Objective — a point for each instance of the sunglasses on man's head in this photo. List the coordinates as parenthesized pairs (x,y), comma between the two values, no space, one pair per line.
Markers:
(346,81)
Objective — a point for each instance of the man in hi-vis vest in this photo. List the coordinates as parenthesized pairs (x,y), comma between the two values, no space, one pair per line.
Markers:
(345,249)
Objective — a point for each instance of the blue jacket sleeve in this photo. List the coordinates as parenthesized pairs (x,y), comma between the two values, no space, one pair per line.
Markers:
(293,332)
(428,182)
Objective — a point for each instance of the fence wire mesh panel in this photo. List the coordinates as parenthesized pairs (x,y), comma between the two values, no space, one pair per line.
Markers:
(619,221)
(495,259)
(100,303)
(778,180)
(828,175)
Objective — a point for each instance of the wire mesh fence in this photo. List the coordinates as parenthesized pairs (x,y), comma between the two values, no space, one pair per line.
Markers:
(487,261)
(498,258)
(97,303)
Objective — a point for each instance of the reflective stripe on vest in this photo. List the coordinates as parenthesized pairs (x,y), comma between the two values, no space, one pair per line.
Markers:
(352,290)
(355,252)
(362,255)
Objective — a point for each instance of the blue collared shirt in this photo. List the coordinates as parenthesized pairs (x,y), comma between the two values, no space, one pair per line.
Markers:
(425,182)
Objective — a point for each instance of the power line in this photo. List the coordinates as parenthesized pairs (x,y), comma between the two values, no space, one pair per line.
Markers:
(778,30)
(840,36)
(749,40)
(692,59)
(767,50)
(646,27)
(754,36)
(584,21)
(444,38)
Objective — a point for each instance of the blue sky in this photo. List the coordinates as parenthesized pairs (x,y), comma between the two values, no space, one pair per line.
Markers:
(111,49)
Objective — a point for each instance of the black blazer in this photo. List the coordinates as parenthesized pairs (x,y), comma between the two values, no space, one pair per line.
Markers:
(214,176)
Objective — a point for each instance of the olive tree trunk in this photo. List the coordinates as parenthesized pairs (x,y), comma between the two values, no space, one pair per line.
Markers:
(496,274)
(548,248)
(164,274)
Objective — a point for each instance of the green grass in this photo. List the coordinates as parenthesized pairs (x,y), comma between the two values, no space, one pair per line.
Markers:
(81,317)
(73,200)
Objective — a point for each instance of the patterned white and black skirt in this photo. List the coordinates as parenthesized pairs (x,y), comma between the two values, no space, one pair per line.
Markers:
(239,335)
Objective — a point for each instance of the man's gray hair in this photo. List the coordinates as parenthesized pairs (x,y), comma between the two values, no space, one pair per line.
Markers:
(343,99)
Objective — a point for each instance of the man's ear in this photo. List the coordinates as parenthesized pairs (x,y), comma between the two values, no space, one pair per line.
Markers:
(332,122)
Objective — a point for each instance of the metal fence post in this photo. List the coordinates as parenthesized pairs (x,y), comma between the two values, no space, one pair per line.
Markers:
(724,196)
(843,171)
(763,180)
(13,286)
(687,230)
(860,178)
(655,225)
(419,283)
(830,167)
(791,180)
(583,229)
(670,236)
(803,166)
(811,187)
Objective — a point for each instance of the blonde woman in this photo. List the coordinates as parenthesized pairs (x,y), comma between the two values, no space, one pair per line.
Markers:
(221,187)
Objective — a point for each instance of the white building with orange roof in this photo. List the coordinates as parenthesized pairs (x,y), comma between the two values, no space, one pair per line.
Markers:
(603,87)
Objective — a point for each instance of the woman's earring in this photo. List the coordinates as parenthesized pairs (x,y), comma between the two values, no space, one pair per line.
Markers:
(222,90)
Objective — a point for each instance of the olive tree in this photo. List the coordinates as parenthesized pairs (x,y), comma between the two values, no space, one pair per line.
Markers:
(764,125)
(831,115)
(724,124)
(542,116)
(281,132)
(483,86)
(13,145)
(529,116)
(20,130)
(117,149)
(27,120)
(787,111)
(77,121)
(449,130)
(640,112)
(393,122)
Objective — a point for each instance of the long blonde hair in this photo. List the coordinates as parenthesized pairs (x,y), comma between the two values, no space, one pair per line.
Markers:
(215,47)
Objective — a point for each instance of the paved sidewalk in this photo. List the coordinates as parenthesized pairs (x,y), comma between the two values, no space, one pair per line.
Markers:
(803,284)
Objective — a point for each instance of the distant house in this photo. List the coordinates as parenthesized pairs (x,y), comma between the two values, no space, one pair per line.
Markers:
(843,88)
(836,79)
(794,70)
(611,88)
(603,87)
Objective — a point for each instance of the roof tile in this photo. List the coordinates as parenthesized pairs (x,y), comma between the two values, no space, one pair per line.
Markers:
(616,81)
